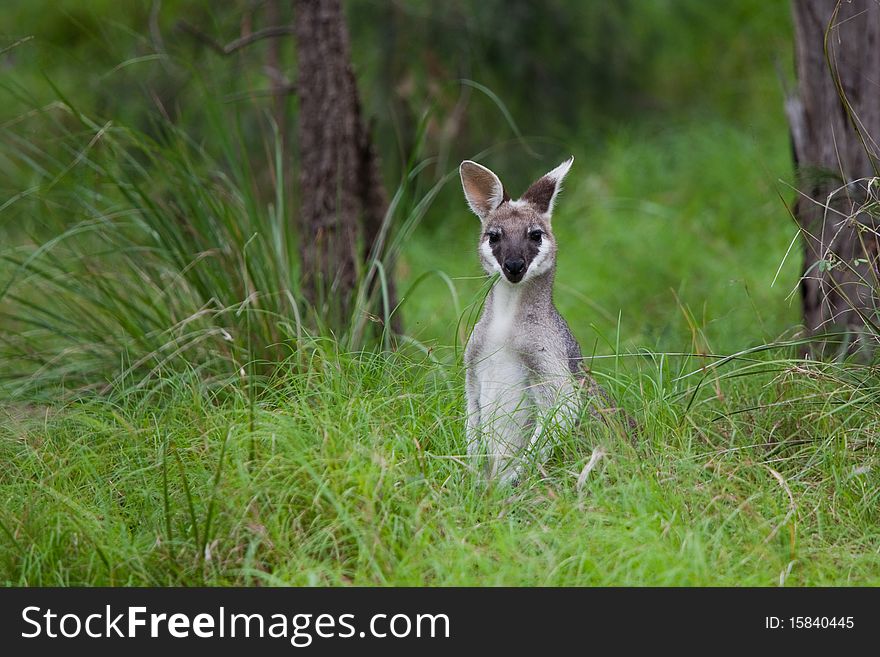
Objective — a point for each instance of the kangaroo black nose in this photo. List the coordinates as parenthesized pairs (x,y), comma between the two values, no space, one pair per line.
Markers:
(514,266)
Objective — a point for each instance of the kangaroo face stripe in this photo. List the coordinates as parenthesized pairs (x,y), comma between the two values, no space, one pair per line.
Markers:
(518,238)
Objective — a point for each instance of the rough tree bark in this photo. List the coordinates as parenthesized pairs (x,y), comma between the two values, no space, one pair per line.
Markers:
(341,187)
(834,121)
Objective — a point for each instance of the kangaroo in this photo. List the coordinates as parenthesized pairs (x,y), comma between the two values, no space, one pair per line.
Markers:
(523,373)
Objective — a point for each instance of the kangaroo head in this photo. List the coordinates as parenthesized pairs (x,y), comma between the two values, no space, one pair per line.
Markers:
(516,240)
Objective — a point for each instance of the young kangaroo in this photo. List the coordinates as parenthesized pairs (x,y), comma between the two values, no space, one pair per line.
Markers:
(524,379)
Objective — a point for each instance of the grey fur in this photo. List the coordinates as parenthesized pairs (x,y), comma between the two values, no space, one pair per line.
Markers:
(524,377)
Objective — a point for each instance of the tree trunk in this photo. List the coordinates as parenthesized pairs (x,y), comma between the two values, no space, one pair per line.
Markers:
(834,121)
(328,137)
(341,186)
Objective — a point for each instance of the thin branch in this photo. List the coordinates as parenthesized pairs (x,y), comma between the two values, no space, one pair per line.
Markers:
(6,49)
(237,44)
(286,90)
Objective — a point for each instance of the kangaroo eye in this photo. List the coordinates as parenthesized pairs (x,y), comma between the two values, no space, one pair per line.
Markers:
(494,237)
(535,235)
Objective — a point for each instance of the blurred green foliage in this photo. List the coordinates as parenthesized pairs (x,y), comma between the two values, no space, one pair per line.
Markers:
(673,109)
(567,70)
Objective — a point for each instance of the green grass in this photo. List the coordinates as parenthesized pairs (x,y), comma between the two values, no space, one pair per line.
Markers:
(347,467)
(357,478)
(171,414)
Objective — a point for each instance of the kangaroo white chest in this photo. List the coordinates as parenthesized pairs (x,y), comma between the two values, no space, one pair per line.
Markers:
(501,326)
(504,400)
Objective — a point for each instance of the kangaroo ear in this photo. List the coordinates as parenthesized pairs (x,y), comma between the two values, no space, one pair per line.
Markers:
(542,193)
(482,188)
